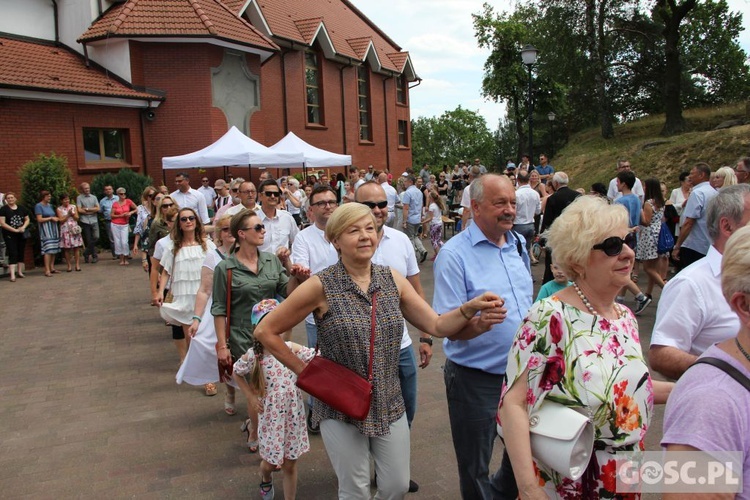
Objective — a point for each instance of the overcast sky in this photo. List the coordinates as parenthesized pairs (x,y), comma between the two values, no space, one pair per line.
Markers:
(440,38)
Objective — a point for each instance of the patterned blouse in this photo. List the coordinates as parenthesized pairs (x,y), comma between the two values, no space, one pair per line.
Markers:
(344,337)
(580,360)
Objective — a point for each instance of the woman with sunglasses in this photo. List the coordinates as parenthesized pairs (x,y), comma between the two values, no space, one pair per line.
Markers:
(581,349)
(181,266)
(199,367)
(122,209)
(256,276)
(158,230)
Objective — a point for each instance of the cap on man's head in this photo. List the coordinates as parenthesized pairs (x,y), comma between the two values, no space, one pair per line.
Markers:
(220,183)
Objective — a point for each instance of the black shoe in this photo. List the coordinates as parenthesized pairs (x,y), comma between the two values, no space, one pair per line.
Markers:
(413,487)
(312,429)
(642,304)
(424,257)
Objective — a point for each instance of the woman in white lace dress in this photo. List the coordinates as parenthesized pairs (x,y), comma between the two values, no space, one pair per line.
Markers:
(183,267)
(646,251)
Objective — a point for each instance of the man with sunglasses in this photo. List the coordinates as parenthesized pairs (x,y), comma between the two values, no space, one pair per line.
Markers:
(187,197)
(234,197)
(247,198)
(281,228)
(312,250)
(209,194)
(222,194)
(693,314)
(613,193)
(396,251)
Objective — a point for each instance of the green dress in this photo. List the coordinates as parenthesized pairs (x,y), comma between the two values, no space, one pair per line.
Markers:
(248,289)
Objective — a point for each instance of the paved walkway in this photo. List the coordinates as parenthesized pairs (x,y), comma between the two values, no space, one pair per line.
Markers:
(89,406)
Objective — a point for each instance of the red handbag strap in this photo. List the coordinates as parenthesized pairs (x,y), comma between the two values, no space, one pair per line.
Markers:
(372,335)
(229,303)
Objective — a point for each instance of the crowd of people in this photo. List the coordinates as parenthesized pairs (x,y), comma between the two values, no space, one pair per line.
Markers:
(233,268)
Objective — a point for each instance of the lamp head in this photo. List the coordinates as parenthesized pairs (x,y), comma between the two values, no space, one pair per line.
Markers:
(528,55)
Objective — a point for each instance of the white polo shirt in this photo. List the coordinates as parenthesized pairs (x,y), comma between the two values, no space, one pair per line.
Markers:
(395,250)
(693,314)
(280,231)
(312,250)
(192,199)
(209,194)
(528,204)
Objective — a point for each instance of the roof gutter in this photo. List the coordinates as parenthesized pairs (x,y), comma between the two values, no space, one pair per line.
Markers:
(419,82)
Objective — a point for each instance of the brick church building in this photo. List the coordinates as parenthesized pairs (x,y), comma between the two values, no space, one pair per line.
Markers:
(112,83)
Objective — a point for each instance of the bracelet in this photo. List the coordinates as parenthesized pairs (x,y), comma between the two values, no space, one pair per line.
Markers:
(194,317)
(461,310)
(425,340)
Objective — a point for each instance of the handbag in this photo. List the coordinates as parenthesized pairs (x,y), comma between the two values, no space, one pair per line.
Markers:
(561,438)
(76,229)
(665,243)
(225,371)
(337,386)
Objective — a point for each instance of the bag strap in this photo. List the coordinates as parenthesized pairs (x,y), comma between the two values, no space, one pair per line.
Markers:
(372,335)
(229,304)
(726,368)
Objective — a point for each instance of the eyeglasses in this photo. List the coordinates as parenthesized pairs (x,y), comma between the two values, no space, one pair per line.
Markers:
(247,192)
(235,190)
(224,229)
(612,246)
(167,205)
(325,203)
(258,228)
(190,218)
(372,204)
(204,180)
(272,194)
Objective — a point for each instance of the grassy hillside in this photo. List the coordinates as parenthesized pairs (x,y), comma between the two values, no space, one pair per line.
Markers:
(587,158)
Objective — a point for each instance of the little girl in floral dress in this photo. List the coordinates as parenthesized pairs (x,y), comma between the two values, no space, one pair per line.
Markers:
(283,439)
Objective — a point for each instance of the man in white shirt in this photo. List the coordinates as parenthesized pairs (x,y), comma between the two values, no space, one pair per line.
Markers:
(528,204)
(370,175)
(467,214)
(354,178)
(187,197)
(396,251)
(613,193)
(209,194)
(692,313)
(281,228)
(313,251)
(392,196)
(247,194)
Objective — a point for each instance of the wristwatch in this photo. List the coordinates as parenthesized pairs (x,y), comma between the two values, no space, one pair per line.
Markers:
(425,340)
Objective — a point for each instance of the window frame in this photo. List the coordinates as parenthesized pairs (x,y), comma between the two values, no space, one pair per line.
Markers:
(402,91)
(103,160)
(406,142)
(320,88)
(364,71)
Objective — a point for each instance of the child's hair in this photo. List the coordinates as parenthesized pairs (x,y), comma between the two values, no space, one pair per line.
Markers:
(256,376)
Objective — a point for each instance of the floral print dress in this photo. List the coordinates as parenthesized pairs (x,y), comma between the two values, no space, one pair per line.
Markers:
(581,360)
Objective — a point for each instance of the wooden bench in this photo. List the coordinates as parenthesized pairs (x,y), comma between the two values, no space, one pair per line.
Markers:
(447,221)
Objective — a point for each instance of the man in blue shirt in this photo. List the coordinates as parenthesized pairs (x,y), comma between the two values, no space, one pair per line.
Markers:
(487,256)
(694,241)
(105,204)
(544,169)
(412,201)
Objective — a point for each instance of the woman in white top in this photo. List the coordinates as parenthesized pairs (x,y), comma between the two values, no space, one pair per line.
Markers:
(199,367)
(434,216)
(183,266)
(293,196)
(679,197)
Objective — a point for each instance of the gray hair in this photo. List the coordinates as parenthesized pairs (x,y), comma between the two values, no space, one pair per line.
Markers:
(236,182)
(729,203)
(734,264)
(560,178)
(475,171)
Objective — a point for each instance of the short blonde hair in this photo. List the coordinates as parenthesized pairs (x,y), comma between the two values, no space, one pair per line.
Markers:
(217,227)
(344,216)
(734,264)
(586,222)
(727,173)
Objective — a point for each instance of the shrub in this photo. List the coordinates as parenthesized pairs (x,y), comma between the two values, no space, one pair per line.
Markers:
(45,172)
(134,183)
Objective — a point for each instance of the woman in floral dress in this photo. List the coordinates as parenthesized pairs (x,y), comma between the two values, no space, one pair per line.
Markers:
(646,251)
(580,349)
(71,239)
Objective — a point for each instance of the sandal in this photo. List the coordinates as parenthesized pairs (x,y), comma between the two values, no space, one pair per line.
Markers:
(252,446)
(210,389)
(229,407)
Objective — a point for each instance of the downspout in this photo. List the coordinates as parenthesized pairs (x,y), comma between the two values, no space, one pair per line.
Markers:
(143,140)
(57,22)
(283,89)
(343,102)
(385,114)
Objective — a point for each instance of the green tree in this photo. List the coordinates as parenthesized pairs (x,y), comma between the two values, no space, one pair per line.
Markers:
(455,135)
(45,172)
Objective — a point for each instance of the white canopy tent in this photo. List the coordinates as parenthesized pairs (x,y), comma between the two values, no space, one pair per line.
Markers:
(314,157)
(234,148)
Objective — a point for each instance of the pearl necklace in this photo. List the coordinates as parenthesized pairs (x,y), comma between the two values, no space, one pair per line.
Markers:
(620,312)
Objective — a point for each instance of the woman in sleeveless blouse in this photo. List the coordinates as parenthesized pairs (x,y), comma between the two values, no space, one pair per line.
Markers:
(341,298)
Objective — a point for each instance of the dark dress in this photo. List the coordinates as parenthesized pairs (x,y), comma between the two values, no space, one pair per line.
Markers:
(15,243)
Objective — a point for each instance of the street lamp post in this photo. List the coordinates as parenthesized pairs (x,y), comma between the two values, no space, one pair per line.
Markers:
(551,117)
(528,56)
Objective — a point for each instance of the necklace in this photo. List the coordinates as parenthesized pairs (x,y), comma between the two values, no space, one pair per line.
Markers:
(743,351)
(591,309)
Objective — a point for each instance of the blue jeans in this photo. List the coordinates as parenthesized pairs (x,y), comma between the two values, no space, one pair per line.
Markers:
(473,396)
(312,342)
(407,374)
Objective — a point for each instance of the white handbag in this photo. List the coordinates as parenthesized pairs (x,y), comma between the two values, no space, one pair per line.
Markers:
(561,438)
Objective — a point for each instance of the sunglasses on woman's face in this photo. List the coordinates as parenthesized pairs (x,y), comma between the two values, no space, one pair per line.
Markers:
(258,228)
(190,218)
(167,205)
(612,246)
(372,204)
(224,229)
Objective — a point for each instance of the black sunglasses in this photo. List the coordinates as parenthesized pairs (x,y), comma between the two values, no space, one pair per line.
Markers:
(612,246)
(257,227)
(235,190)
(371,204)
(190,218)
(272,194)
(167,205)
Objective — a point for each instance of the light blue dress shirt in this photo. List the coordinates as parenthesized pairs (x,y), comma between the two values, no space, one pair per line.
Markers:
(105,204)
(413,196)
(695,208)
(469,265)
